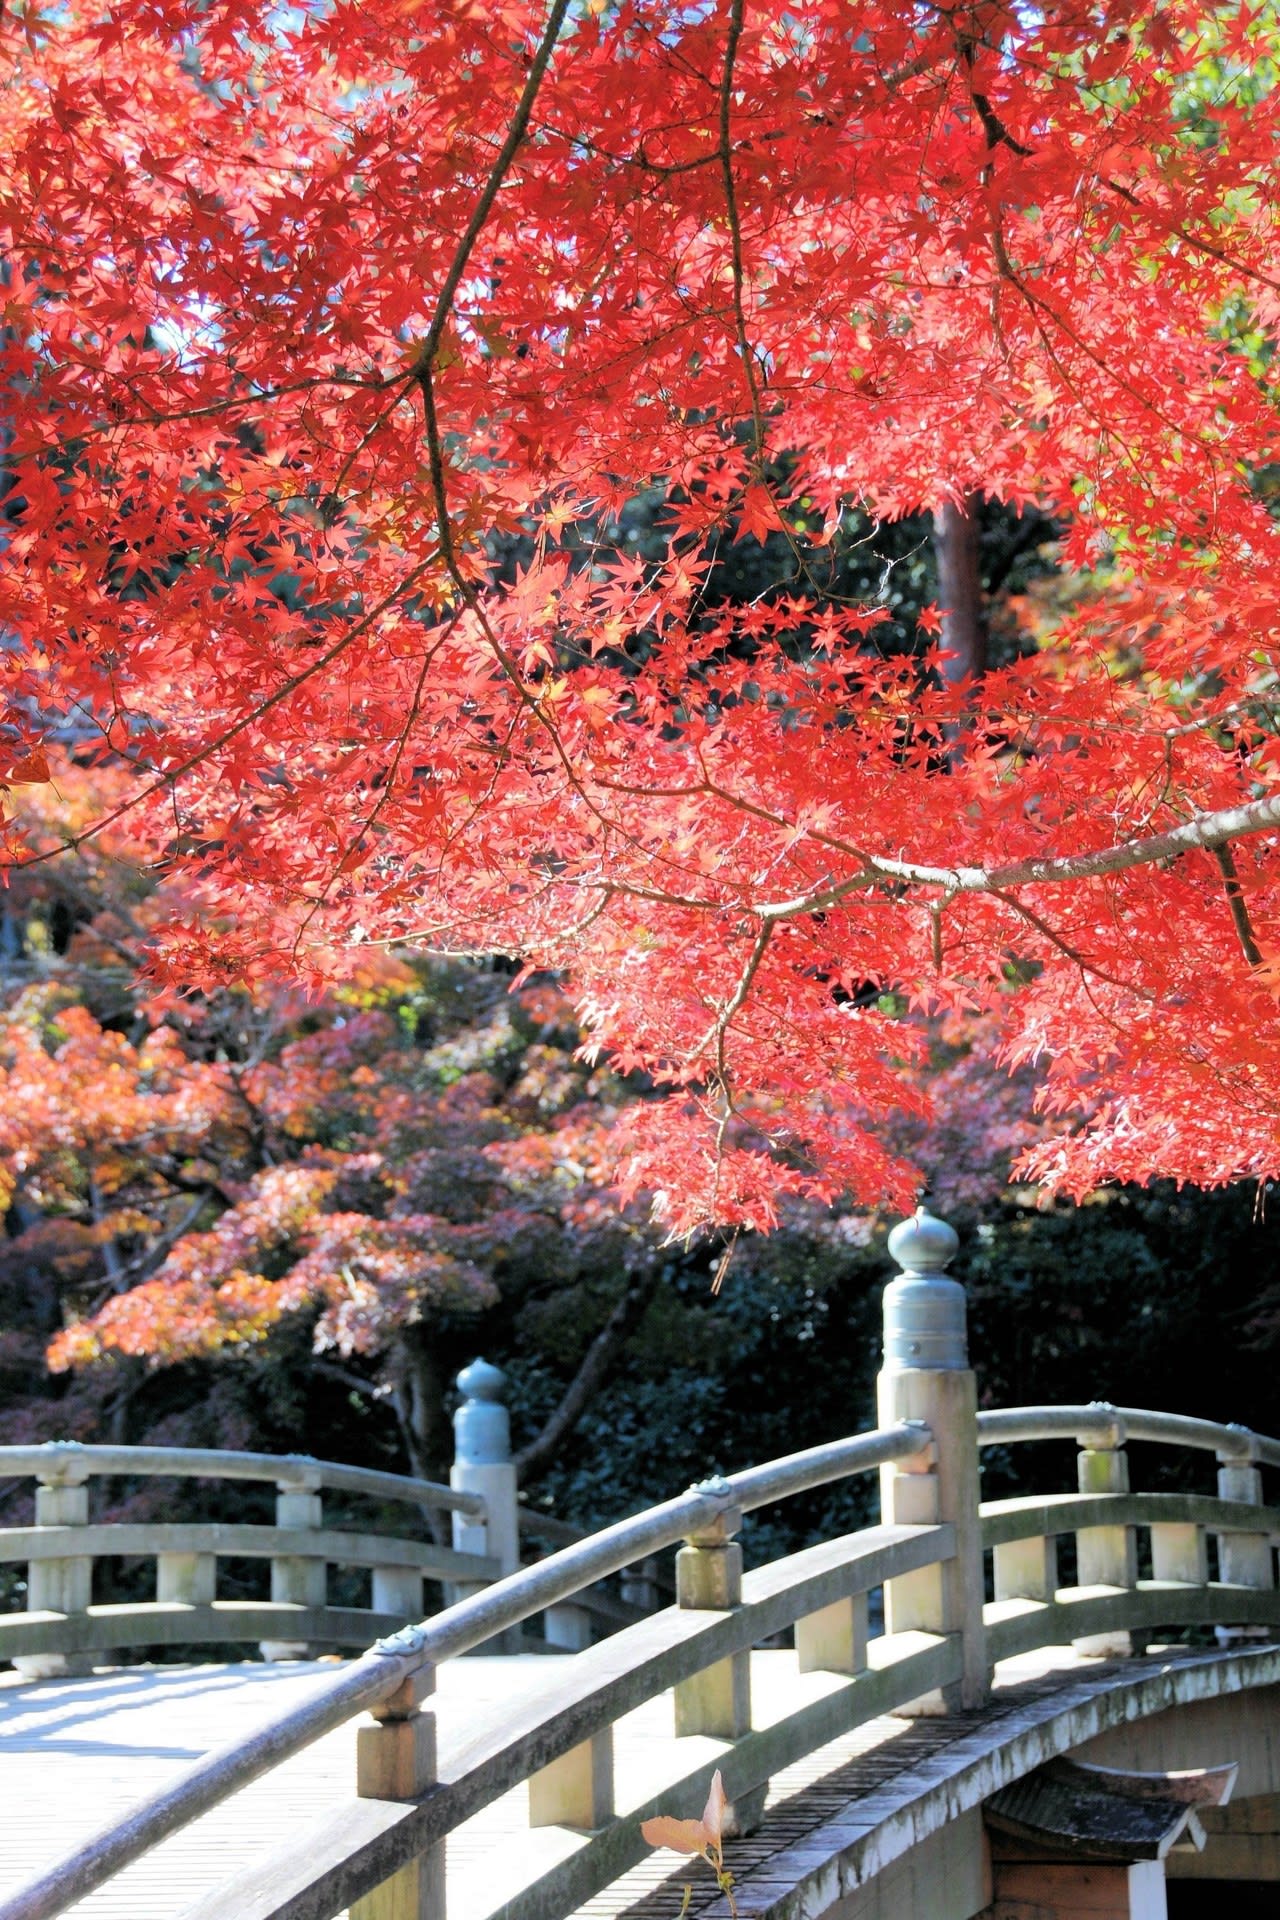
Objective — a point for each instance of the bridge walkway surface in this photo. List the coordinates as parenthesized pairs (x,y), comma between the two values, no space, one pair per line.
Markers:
(76,1752)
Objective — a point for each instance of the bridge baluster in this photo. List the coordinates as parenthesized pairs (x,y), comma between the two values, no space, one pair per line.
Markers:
(1106,1556)
(1179,1551)
(577,1789)
(396,1760)
(639,1586)
(398,1591)
(187,1579)
(1027,1569)
(834,1640)
(60,1586)
(568,1626)
(296,1579)
(716,1701)
(1244,1559)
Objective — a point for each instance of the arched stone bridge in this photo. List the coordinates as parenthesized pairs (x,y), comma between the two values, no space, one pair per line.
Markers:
(1020,1741)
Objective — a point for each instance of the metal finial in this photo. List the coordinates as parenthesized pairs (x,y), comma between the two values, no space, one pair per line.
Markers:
(923,1244)
(480,1381)
(481,1425)
(924,1311)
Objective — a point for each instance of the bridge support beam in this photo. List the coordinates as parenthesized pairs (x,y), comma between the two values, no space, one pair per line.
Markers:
(1242,1842)
(927,1377)
(1080,1890)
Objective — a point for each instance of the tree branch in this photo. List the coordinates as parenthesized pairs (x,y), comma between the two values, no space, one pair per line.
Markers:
(1203,834)
(1238,905)
(597,1363)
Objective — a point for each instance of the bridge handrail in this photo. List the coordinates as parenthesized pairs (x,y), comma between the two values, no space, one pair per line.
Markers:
(125,1539)
(390,1664)
(612,1679)
(1100,1424)
(67,1463)
(1045,1515)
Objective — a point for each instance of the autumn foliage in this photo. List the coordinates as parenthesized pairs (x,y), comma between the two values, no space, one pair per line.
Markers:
(337,340)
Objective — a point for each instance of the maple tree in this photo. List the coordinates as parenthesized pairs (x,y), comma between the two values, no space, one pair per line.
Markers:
(354,1193)
(384,1191)
(338,340)
(376,1169)
(148,1135)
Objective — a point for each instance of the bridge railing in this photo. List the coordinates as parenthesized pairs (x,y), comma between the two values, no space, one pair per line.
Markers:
(1143,1560)
(62,1631)
(936,1553)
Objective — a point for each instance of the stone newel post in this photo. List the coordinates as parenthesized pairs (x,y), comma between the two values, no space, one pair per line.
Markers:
(927,1377)
(482,1464)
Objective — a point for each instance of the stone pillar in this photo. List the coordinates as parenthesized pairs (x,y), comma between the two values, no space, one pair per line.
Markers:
(297,1579)
(64,1585)
(482,1464)
(1106,1556)
(927,1377)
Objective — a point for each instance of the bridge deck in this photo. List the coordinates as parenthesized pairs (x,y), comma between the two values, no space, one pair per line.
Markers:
(74,1753)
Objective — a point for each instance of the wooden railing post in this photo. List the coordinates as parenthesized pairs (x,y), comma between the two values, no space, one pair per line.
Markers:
(187,1579)
(568,1626)
(716,1701)
(1026,1569)
(396,1760)
(482,1464)
(297,1579)
(1179,1552)
(1106,1556)
(834,1639)
(639,1586)
(1244,1559)
(927,1377)
(60,1586)
(577,1789)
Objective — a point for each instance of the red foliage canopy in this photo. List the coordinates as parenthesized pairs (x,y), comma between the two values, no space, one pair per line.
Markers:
(310,309)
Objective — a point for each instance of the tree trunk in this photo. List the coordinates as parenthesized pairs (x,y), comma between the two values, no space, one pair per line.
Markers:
(956,531)
(417,1393)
